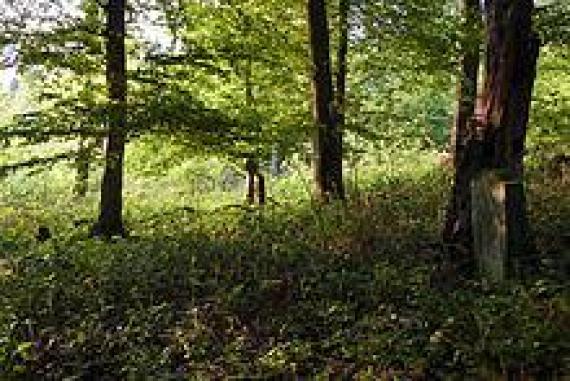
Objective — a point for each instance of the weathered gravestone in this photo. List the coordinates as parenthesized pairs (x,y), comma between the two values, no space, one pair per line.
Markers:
(494,233)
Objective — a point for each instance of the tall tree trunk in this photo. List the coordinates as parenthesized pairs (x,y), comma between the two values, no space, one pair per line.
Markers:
(457,228)
(327,138)
(512,55)
(467,85)
(252,163)
(110,220)
(496,136)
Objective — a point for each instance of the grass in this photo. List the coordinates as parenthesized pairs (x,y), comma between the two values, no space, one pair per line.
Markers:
(206,291)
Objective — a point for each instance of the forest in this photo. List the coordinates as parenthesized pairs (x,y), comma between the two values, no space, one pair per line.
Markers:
(285,189)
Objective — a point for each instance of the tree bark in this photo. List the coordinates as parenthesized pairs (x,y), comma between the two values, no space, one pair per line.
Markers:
(513,49)
(457,228)
(251,169)
(467,85)
(261,196)
(327,138)
(495,136)
(110,222)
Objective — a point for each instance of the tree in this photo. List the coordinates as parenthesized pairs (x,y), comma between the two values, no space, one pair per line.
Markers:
(252,162)
(512,55)
(62,57)
(496,135)
(110,220)
(226,49)
(327,137)
(457,224)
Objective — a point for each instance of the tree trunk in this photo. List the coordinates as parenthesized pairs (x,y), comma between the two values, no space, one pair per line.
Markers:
(457,228)
(251,169)
(261,189)
(253,173)
(512,56)
(82,164)
(495,137)
(466,89)
(327,138)
(110,220)
(252,164)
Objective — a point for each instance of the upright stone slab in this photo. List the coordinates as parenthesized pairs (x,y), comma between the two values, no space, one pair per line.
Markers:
(489,221)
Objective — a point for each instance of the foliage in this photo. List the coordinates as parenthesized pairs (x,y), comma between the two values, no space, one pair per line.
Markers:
(206,287)
(210,291)
(550,116)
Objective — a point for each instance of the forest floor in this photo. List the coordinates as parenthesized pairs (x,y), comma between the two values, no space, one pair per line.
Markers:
(361,290)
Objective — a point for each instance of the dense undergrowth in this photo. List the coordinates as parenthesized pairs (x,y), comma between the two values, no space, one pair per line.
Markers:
(213,289)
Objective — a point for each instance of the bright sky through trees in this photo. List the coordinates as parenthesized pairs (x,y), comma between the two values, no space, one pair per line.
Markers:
(42,16)
(10,67)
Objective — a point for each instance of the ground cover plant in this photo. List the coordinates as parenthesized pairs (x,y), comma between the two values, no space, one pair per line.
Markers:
(359,290)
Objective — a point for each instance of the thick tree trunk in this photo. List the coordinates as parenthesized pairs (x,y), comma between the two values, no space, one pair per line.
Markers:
(327,138)
(457,228)
(110,220)
(495,139)
(513,49)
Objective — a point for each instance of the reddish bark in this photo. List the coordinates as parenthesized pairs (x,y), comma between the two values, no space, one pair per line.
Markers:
(495,136)
(457,225)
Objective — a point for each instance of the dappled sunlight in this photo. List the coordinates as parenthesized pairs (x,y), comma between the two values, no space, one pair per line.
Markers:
(284,189)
